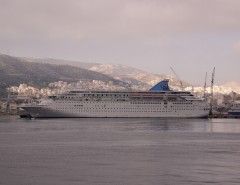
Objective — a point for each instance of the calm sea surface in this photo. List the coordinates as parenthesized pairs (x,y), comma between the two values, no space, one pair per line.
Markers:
(119,151)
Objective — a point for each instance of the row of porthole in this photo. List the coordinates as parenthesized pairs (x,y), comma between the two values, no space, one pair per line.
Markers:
(104,107)
(106,95)
(115,111)
(71,109)
(98,107)
(123,102)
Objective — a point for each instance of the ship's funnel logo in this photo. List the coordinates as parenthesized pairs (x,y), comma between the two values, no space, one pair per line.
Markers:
(161,86)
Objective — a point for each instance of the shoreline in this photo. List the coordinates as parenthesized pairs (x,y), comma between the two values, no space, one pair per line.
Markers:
(224,116)
(7,114)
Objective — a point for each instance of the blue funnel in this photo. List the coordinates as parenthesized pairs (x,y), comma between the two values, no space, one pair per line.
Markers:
(161,86)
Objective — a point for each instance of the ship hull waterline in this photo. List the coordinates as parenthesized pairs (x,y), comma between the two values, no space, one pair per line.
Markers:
(37,112)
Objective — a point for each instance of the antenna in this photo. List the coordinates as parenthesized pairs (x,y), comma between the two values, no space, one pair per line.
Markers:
(211,101)
(205,85)
(181,85)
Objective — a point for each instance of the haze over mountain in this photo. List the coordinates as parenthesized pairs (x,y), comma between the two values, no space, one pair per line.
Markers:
(132,75)
(14,71)
(232,85)
(84,65)
(121,72)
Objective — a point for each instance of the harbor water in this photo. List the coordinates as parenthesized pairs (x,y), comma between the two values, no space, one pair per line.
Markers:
(119,151)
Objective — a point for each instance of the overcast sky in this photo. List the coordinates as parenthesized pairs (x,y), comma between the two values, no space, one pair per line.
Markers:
(192,36)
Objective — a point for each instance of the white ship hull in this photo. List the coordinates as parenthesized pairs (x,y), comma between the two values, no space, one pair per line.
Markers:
(114,110)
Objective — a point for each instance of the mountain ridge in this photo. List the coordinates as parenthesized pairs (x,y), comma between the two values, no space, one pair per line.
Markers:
(84,65)
(121,72)
(14,71)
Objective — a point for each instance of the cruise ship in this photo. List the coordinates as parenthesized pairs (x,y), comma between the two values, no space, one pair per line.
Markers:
(159,102)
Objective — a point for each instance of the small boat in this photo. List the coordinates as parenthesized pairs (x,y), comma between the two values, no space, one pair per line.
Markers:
(235,110)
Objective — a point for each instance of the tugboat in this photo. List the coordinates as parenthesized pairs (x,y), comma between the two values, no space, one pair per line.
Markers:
(234,111)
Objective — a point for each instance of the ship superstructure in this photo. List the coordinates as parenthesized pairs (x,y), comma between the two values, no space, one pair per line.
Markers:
(159,101)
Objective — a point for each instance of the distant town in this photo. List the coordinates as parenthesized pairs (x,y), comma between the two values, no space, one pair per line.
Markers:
(223,100)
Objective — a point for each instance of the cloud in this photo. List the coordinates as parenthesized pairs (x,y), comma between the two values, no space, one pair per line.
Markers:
(191,35)
(81,19)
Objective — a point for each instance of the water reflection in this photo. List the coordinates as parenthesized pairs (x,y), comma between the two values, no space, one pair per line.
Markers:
(177,125)
(131,124)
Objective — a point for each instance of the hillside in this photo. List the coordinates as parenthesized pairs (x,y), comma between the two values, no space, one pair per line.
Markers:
(84,65)
(124,73)
(130,74)
(14,70)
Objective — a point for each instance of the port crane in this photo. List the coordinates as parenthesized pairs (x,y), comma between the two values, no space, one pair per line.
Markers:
(181,85)
(205,86)
(211,101)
